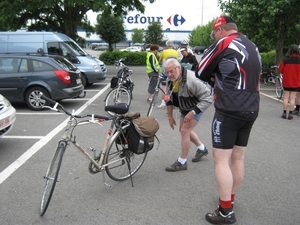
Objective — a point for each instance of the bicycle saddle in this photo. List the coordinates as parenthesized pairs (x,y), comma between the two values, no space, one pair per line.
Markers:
(119,108)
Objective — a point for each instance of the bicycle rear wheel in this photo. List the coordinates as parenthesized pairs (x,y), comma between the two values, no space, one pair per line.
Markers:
(278,88)
(117,95)
(52,176)
(120,160)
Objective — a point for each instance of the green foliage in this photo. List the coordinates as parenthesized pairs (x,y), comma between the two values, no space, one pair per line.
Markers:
(200,36)
(268,59)
(154,33)
(137,35)
(63,16)
(110,29)
(132,58)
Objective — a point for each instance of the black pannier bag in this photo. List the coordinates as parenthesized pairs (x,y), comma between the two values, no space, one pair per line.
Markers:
(130,116)
(141,134)
(114,82)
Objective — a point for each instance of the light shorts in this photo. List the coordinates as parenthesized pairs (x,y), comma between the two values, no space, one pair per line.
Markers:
(227,131)
(196,117)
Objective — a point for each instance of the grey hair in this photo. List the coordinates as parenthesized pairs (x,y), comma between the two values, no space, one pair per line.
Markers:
(170,44)
(172,61)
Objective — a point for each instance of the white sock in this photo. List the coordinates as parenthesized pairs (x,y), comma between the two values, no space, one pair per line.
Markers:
(201,147)
(182,161)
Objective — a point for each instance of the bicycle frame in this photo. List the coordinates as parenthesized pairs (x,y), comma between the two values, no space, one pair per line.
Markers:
(69,138)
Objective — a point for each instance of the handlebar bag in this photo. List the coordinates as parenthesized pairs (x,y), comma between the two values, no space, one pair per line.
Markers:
(114,82)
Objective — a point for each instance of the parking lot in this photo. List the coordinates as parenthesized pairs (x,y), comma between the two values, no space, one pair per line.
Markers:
(269,194)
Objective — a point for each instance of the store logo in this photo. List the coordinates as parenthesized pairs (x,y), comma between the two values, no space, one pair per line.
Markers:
(176,20)
(142,19)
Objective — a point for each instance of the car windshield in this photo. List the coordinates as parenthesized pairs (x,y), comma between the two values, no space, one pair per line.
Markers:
(77,50)
(66,64)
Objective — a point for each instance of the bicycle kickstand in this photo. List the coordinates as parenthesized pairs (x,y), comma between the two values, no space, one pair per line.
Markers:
(129,168)
(105,184)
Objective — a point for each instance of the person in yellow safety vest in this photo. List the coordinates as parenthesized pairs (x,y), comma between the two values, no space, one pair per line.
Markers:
(167,53)
(152,69)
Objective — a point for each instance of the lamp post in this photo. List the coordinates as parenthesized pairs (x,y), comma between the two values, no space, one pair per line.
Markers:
(202,14)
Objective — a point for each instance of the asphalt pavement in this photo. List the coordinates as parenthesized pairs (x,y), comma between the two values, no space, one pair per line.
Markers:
(268,195)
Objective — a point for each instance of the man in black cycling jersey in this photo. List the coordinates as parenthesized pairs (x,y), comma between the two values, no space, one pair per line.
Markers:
(233,65)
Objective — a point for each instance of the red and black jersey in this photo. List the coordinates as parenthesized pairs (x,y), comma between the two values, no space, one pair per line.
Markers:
(235,64)
(290,68)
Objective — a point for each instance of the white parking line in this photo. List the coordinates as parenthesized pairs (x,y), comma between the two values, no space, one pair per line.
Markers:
(44,140)
(23,137)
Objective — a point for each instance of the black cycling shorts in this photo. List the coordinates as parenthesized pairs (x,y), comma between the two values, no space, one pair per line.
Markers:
(227,131)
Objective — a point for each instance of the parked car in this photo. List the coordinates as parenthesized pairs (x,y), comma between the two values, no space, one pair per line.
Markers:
(25,77)
(101,47)
(199,49)
(7,116)
(92,69)
(159,50)
(132,49)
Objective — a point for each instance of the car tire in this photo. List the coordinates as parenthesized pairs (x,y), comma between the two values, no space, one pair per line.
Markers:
(33,98)
(83,80)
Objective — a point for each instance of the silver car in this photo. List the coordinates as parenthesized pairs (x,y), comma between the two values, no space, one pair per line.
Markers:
(7,116)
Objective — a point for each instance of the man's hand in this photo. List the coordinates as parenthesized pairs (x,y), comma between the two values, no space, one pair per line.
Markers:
(172,122)
(188,117)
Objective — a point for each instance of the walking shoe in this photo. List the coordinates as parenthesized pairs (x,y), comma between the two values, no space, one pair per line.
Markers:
(200,154)
(161,106)
(148,100)
(290,117)
(177,166)
(295,112)
(283,116)
(217,217)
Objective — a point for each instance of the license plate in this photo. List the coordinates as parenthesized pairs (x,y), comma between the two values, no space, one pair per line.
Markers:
(78,81)
(4,122)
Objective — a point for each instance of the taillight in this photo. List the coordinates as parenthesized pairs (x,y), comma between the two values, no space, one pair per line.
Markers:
(63,75)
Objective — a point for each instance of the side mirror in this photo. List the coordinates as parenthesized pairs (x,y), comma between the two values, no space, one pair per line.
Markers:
(73,58)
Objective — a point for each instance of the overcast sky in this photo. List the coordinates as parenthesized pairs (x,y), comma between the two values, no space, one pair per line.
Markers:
(175,10)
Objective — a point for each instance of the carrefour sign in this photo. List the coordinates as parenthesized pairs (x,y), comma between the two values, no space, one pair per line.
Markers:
(174,20)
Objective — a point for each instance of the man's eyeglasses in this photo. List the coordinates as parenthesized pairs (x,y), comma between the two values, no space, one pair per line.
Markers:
(171,71)
(212,34)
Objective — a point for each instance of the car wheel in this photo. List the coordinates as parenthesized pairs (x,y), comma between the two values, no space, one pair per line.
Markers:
(33,98)
(199,53)
(83,80)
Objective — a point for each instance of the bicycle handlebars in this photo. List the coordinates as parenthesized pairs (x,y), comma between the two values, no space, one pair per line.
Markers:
(56,104)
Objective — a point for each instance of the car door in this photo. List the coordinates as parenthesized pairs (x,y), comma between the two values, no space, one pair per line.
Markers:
(14,76)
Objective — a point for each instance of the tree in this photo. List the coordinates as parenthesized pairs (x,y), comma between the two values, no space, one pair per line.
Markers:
(110,29)
(201,35)
(63,16)
(270,24)
(154,33)
(137,35)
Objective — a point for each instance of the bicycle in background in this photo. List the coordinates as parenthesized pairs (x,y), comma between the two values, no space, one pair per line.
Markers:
(269,75)
(155,94)
(115,158)
(278,86)
(122,86)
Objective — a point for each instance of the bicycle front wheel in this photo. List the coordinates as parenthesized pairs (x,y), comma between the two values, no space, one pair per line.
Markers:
(52,176)
(278,88)
(117,95)
(121,162)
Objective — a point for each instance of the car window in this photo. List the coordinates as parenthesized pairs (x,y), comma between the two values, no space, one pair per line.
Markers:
(53,48)
(10,65)
(41,66)
(24,65)
(66,64)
